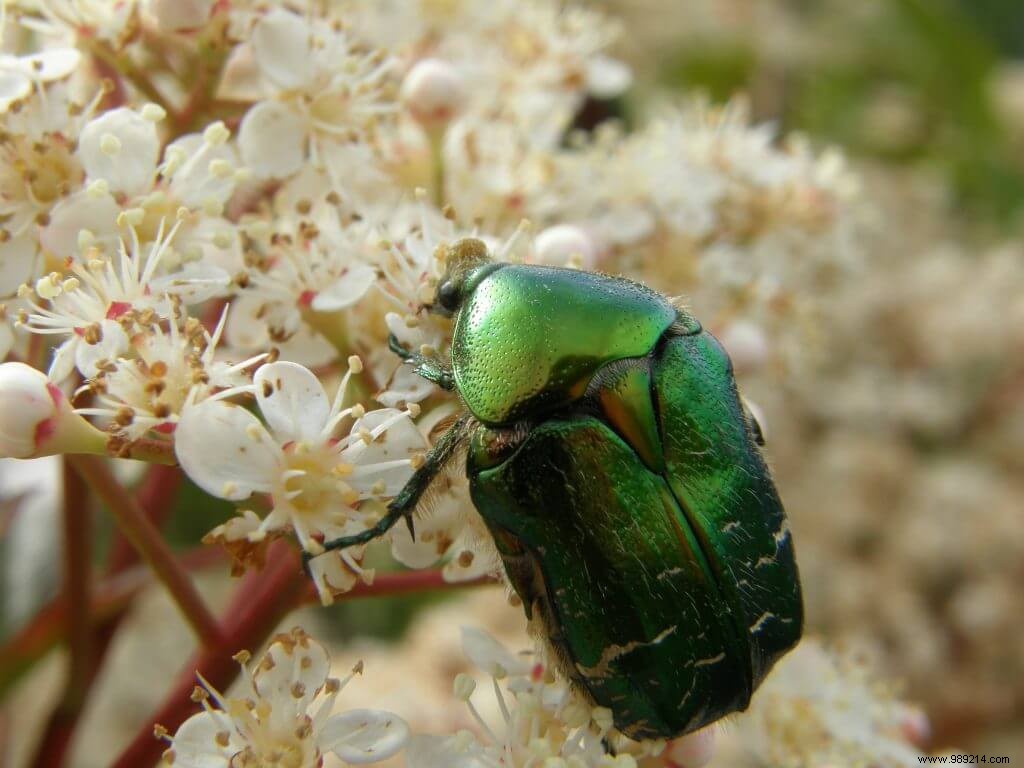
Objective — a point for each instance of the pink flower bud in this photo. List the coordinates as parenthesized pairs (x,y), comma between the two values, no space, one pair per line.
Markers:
(37,420)
(433,92)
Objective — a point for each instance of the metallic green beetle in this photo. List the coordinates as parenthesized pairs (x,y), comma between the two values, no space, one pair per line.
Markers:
(611,458)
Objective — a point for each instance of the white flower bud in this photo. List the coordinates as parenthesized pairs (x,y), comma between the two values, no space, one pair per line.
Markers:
(566,245)
(746,344)
(37,420)
(693,750)
(434,92)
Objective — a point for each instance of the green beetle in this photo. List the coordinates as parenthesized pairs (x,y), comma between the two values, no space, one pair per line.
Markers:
(612,460)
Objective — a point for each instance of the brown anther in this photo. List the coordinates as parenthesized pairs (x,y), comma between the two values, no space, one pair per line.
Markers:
(298,690)
(304,206)
(124,416)
(223,738)
(159,369)
(199,694)
(155,387)
(42,218)
(159,731)
(465,558)
(93,334)
(161,410)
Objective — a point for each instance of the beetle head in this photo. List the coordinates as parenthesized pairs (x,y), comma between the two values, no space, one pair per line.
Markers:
(462,260)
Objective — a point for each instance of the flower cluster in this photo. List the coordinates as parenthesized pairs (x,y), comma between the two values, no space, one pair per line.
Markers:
(214,215)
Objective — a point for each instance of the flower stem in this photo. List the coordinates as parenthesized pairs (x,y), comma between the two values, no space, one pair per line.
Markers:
(60,726)
(147,541)
(77,585)
(436,138)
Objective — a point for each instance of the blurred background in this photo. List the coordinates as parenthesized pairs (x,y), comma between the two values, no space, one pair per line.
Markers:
(897,437)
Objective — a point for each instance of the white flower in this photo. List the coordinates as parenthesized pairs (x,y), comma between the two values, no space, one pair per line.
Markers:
(191,184)
(36,419)
(160,372)
(283,717)
(318,483)
(325,88)
(93,301)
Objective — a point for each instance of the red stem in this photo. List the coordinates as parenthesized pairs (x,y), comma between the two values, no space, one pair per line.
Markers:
(155,495)
(60,726)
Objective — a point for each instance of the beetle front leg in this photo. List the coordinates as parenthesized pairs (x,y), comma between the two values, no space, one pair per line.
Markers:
(405,503)
(429,368)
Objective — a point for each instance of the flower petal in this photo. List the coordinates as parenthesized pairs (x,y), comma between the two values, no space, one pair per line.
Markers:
(488,654)
(292,401)
(121,147)
(214,447)
(297,669)
(363,736)
(607,77)
(110,347)
(52,64)
(17,262)
(429,751)
(272,140)
(82,210)
(281,44)
(401,440)
(406,386)
(193,182)
(346,290)
(196,745)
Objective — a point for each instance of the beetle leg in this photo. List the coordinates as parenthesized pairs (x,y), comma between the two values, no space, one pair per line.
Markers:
(429,368)
(405,503)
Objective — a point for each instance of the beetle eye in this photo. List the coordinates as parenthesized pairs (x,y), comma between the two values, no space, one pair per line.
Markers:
(449,295)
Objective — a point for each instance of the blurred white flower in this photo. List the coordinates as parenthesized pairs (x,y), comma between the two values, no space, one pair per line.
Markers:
(283,716)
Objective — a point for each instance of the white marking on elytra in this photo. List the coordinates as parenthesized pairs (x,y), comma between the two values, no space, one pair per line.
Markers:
(614,651)
(761,621)
(667,574)
(709,662)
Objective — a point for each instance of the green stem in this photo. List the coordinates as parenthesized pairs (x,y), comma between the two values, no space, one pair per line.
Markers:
(146,539)
(436,137)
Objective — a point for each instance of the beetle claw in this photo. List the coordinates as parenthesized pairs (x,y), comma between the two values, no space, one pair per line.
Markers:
(411,526)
